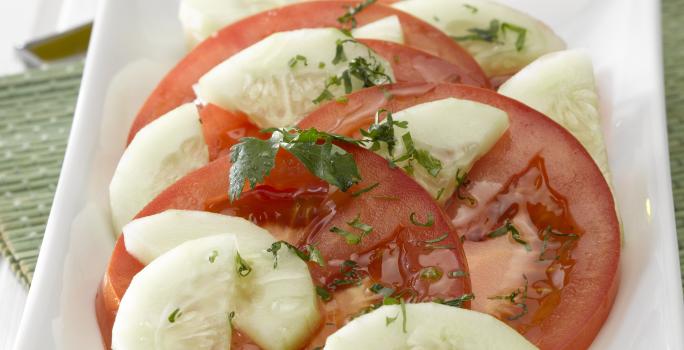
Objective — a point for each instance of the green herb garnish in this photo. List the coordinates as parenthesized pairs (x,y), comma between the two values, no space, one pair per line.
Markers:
(457,273)
(349,17)
(243,268)
(513,299)
(378,288)
(430,220)
(312,253)
(323,293)
(176,314)
(548,233)
(471,8)
(491,34)
(294,60)
(364,190)
(506,228)
(253,158)
(213,256)
(431,273)
(351,238)
(456,302)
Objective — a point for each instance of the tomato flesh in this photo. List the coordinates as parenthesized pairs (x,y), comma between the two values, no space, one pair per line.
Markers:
(176,87)
(393,253)
(540,178)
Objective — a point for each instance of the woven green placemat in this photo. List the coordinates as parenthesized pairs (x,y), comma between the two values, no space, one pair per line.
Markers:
(673,47)
(36,110)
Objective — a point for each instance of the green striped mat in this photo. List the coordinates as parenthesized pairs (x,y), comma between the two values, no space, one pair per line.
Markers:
(36,110)
(35,116)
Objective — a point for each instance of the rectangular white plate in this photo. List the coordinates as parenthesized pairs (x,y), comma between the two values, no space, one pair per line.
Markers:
(135,42)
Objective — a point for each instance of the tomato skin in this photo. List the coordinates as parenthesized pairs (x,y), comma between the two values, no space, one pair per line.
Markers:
(176,87)
(207,186)
(588,295)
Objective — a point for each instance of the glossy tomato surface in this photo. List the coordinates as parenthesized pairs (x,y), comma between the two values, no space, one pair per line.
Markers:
(301,209)
(555,276)
(176,87)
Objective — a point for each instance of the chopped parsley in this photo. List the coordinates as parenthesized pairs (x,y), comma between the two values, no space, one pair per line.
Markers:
(439,193)
(491,34)
(350,272)
(176,314)
(294,60)
(253,159)
(431,164)
(321,65)
(323,293)
(212,257)
(548,233)
(378,288)
(368,70)
(470,8)
(438,239)
(390,320)
(231,316)
(518,298)
(353,238)
(430,220)
(366,189)
(456,302)
(349,18)
(379,133)
(312,253)
(243,268)
(461,182)
(506,228)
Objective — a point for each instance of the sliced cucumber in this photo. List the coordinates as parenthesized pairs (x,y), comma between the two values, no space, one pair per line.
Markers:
(161,153)
(426,326)
(276,81)
(561,85)
(387,29)
(456,132)
(507,41)
(275,306)
(201,18)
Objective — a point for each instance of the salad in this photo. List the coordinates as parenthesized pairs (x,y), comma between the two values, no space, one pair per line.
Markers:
(417,174)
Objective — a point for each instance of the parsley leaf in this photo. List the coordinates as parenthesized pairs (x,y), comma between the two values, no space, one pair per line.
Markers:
(431,164)
(213,256)
(470,8)
(323,293)
(383,132)
(520,31)
(364,190)
(253,159)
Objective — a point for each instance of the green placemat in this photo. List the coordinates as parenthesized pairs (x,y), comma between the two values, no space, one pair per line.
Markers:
(673,47)
(35,115)
(36,110)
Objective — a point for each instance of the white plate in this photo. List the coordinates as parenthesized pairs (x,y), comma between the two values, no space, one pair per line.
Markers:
(135,42)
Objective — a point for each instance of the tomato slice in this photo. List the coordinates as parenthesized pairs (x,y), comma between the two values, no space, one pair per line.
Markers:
(539,178)
(176,87)
(222,129)
(300,211)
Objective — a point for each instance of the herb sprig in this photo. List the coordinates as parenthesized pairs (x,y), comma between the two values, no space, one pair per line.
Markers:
(349,17)
(493,32)
(506,228)
(311,253)
(518,298)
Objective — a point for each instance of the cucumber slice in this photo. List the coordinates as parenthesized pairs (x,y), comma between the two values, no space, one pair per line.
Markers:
(426,326)
(502,47)
(561,85)
(161,153)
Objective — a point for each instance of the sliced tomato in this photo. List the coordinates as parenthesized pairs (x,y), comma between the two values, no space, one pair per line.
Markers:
(222,129)
(302,212)
(539,178)
(176,87)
